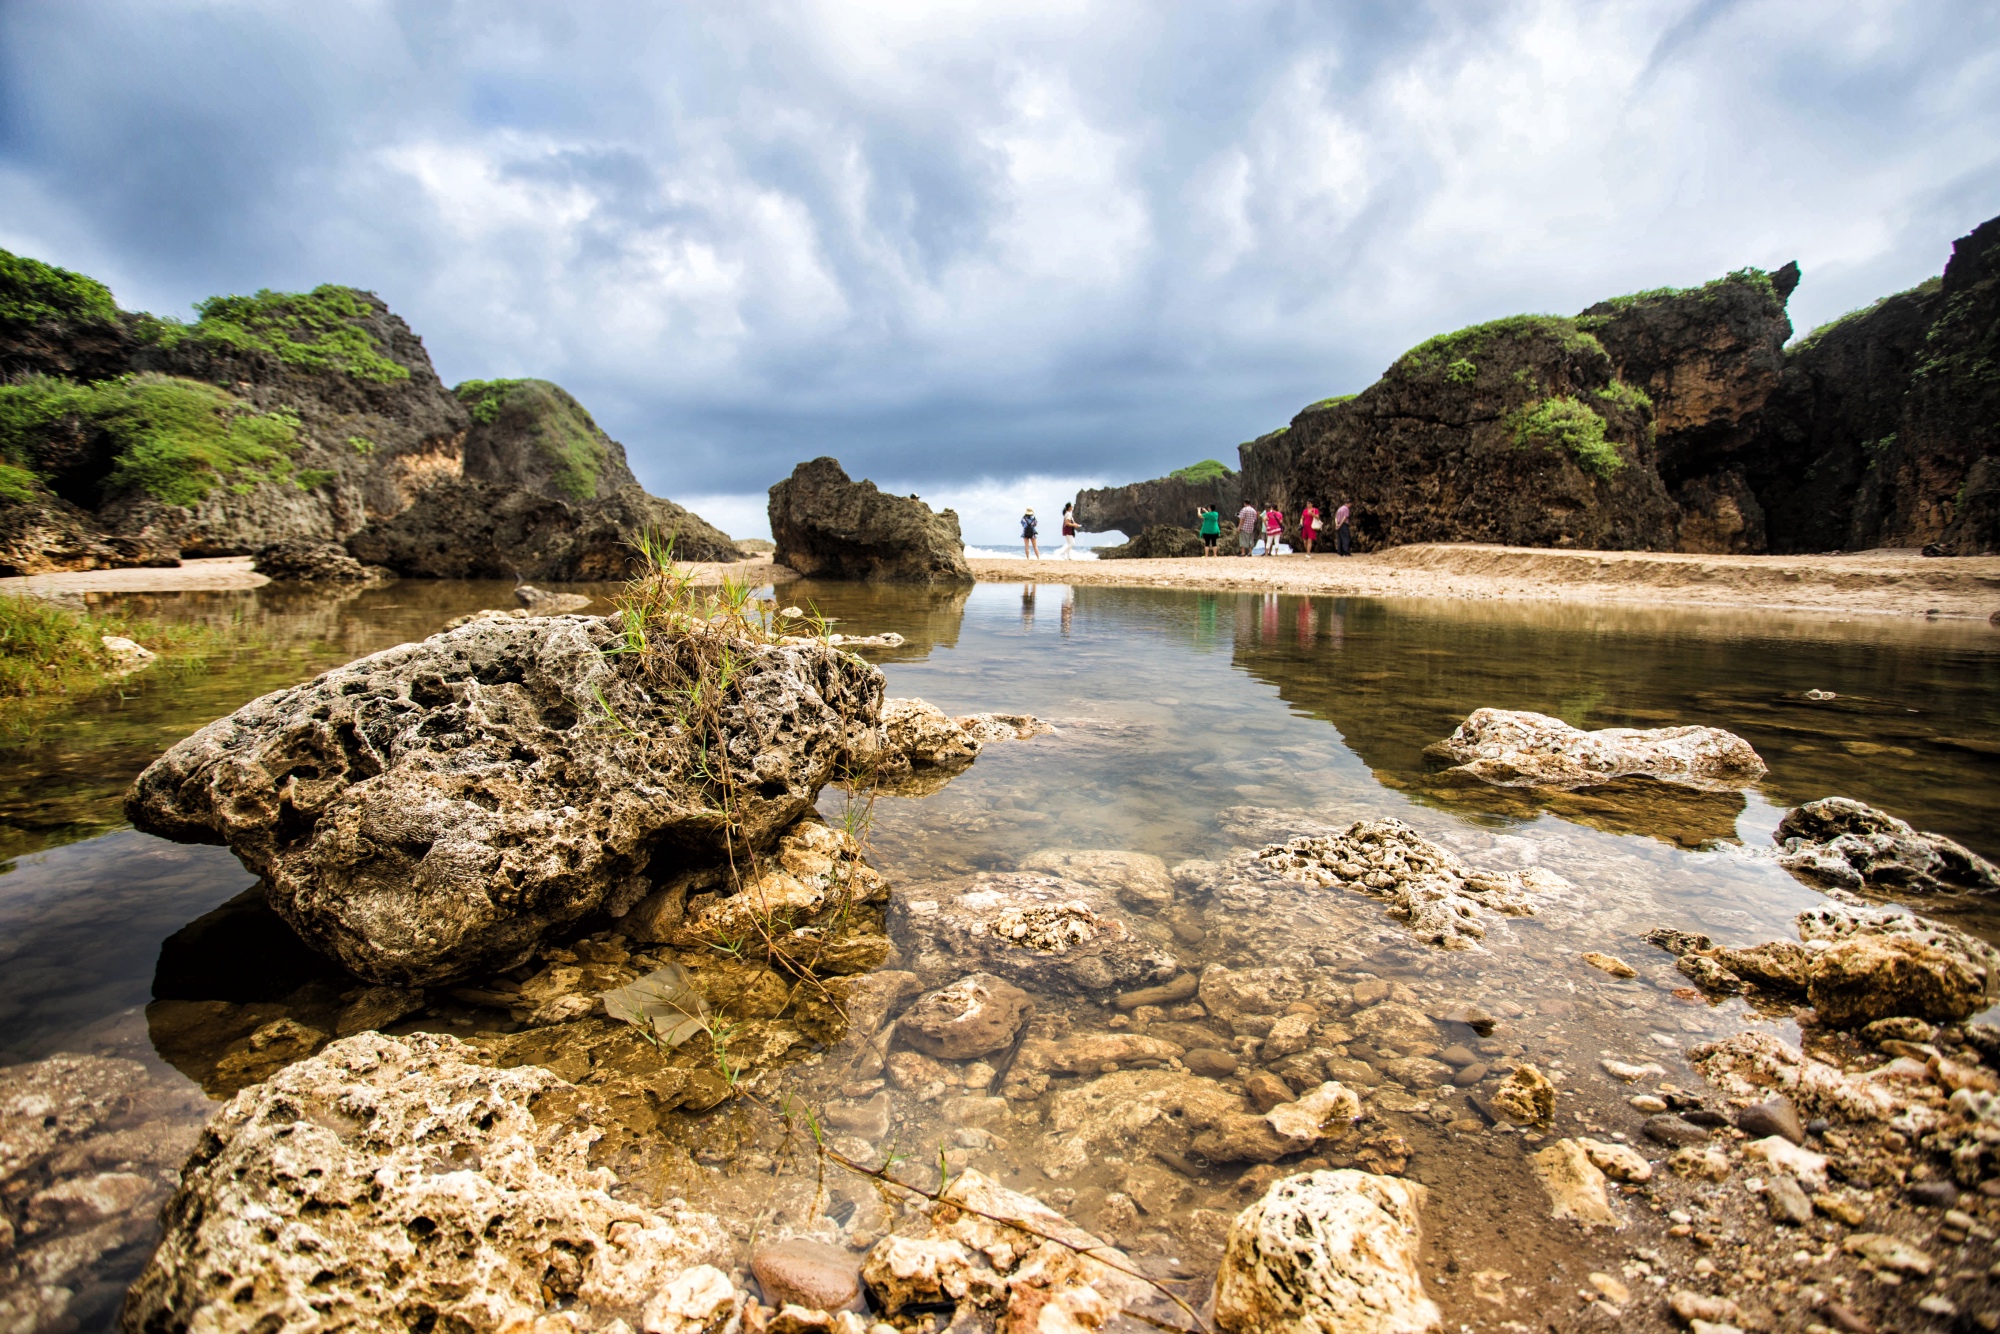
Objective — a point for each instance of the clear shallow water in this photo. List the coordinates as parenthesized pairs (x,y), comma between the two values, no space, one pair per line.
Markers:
(1191,725)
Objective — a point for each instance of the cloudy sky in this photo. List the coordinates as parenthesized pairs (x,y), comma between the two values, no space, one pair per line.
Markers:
(982,251)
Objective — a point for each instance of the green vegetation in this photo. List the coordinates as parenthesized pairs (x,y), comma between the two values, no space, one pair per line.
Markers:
(1333,402)
(31,291)
(176,440)
(555,424)
(1755,278)
(49,650)
(1208,470)
(308,479)
(1567,423)
(1629,397)
(361,445)
(1443,354)
(308,331)
(1961,346)
(17,483)
(1461,372)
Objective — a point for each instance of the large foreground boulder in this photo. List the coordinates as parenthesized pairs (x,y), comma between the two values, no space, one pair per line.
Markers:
(1839,843)
(1327,1253)
(463,529)
(828,525)
(397,1183)
(1514,748)
(431,812)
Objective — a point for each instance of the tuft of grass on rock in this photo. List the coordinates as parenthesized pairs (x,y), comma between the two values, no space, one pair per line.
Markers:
(1567,423)
(1208,470)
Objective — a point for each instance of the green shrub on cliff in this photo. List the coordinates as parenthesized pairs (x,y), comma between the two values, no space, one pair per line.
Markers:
(1754,278)
(18,483)
(309,331)
(1332,402)
(1627,396)
(31,291)
(174,439)
(1567,423)
(1208,470)
(1443,354)
(554,424)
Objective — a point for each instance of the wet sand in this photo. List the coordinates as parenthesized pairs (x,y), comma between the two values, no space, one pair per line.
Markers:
(1872,583)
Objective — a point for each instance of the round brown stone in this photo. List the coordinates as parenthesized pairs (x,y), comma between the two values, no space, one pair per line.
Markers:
(973,1016)
(1210,1061)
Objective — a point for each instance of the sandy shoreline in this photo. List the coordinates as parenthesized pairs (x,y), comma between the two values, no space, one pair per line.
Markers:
(1876,583)
(1862,584)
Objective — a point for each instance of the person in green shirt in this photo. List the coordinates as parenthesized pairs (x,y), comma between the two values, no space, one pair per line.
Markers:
(1211,529)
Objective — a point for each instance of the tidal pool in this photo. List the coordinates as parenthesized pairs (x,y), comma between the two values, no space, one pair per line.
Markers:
(1191,727)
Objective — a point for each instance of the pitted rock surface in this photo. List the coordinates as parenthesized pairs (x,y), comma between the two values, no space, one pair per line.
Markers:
(1512,748)
(393,1182)
(1839,843)
(971,1017)
(431,812)
(1039,931)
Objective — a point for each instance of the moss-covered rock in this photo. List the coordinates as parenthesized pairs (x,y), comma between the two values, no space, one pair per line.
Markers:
(532,433)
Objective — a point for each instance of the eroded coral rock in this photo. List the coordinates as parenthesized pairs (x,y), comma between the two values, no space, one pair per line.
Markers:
(1039,931)
(1876,977)
(1327,1253)
(1839,843)
(1575,1184)
(433,811)
(390,1182)
(1512,748)
(971,1017)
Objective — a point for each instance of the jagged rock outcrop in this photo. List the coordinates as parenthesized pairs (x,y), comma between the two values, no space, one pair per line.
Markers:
(832,527)
(1839,843)
(302,561)
(1171,501)
(462,529)
(273,417)
(400,1183)
(1887,427)
(1157,542)
(432,811)
(1513,748)
(533,434)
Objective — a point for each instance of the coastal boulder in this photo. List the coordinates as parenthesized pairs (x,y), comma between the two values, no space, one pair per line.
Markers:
(1839,843)
(830,526)
(1327,1253)
(459,528)
(303,561)
(1513,748)
(1156,543)
(1878,977)
(1170,501)
(433,811)
(1040,931)
(397,1183)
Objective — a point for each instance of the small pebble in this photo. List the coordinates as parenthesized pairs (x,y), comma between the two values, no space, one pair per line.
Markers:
(1674,1130)
(1646,1102)
(1470,1075)
(1776,1117)
(1933,1194)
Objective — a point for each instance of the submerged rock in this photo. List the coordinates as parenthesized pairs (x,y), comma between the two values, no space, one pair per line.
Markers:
(832,527)
(391,1182)
(919,748)
(971,1017)
(1327,1253)
(1442,900)
(435,810)
(541,602)
(1838,843)
(1512,748)
(1042,932)
(1139,879)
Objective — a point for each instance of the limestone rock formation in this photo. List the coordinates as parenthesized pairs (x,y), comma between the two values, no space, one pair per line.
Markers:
(1042,932)
(919,749)
(1512,748)
(533,434)
(1155,543)
(433,810)
(1839,843)
(1327,1253)
(48,535)
(832,527)
(397,1182)
(302,561)
(973,1016)
(1172,501)
(463,529)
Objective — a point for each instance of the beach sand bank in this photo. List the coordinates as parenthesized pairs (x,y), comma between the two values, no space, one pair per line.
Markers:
(1870,583)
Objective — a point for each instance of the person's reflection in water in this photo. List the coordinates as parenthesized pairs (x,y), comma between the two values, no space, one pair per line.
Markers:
(1308,627)
(1267,630)
(1336,622)
(1027,606)
(1068,609)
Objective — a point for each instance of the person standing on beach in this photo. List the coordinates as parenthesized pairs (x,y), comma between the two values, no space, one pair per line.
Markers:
(1309,525)
(1274,528)
(1030,549)
(1211,528)
(1343,539)
(1246,528)
(1069,532)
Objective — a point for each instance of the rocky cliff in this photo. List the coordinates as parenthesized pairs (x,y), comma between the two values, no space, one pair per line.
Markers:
(1675,420)
(1172,500)
(127,439)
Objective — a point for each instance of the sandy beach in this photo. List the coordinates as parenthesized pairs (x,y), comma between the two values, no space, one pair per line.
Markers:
(1872,583)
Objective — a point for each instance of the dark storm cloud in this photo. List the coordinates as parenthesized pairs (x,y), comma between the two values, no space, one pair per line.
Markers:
(983,240)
